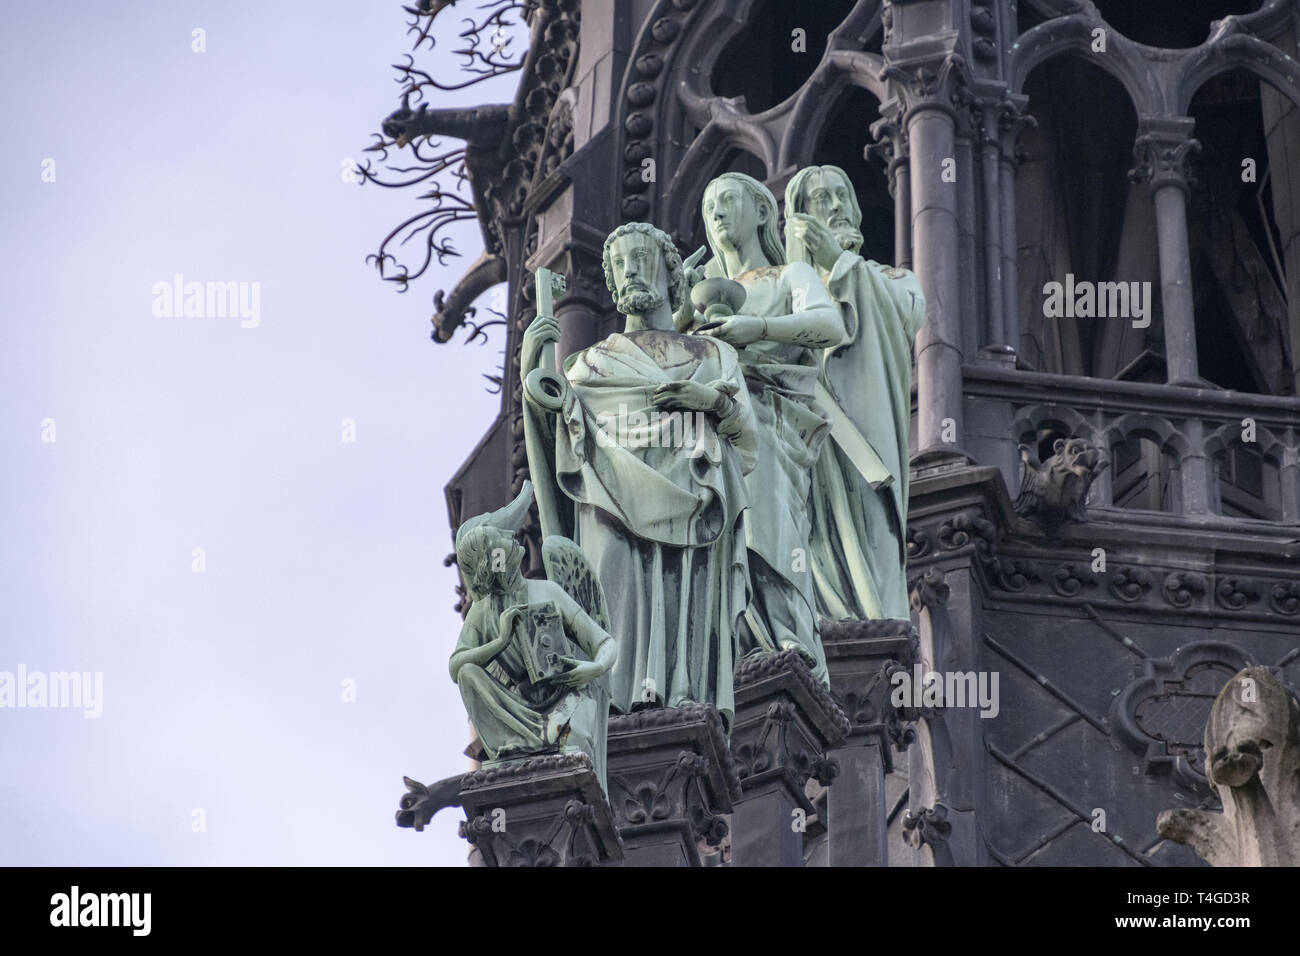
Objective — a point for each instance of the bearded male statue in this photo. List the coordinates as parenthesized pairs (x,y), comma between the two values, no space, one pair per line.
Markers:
(860,481)
(639,452)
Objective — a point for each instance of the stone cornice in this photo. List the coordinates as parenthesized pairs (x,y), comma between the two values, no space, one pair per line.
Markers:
(1230,577)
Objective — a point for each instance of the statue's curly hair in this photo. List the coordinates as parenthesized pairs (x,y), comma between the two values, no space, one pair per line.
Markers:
(476,553)
(672,258)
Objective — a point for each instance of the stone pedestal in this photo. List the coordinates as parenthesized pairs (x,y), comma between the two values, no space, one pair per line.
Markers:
(785,724)
(671,781)
(861,656)
(541,811)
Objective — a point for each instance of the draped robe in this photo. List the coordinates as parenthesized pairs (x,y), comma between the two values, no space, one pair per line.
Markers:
(792,427)
(657,502)
(858,536)
(514,716)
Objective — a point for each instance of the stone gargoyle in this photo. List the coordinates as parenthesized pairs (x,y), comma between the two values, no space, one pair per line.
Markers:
(1055,492)
(1252,756)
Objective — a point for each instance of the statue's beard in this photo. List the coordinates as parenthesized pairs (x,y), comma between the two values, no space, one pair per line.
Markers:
(848,236)
(639,301)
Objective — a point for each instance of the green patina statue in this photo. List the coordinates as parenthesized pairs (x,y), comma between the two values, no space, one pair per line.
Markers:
(532,654)
(787,319)
(859,489)
(639,449)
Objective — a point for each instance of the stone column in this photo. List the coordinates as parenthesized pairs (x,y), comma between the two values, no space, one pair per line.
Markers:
(671,781)
(1012,119)
(1196,470)
(1289,477)
(931,122)
(862,655)
(973,322)
(891,148)
(983,102)
(785,723)
(1161,156)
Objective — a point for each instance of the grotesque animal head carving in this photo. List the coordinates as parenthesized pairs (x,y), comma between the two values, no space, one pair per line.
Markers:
(1055,491)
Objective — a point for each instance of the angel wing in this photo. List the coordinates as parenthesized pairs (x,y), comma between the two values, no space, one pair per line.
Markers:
(568,567)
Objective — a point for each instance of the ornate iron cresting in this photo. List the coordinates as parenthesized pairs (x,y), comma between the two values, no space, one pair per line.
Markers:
(488,44)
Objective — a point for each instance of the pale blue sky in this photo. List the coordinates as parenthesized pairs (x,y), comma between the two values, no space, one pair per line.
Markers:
(222,690)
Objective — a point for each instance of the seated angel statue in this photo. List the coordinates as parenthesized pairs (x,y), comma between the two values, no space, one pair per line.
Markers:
(531,659)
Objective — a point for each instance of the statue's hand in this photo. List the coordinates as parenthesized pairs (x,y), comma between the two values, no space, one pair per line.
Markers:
(543,329)
(684,397)
(686,315)
(739,330)
(579,674)
(694,271)
(816,237)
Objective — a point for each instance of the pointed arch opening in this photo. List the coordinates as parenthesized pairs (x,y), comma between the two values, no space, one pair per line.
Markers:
(778,50)
(1170,24)
(1243,222)
(1079,219)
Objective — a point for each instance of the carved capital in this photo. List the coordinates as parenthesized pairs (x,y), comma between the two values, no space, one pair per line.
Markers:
(862,657)
(939,85)
(1162,153)
(890,145)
